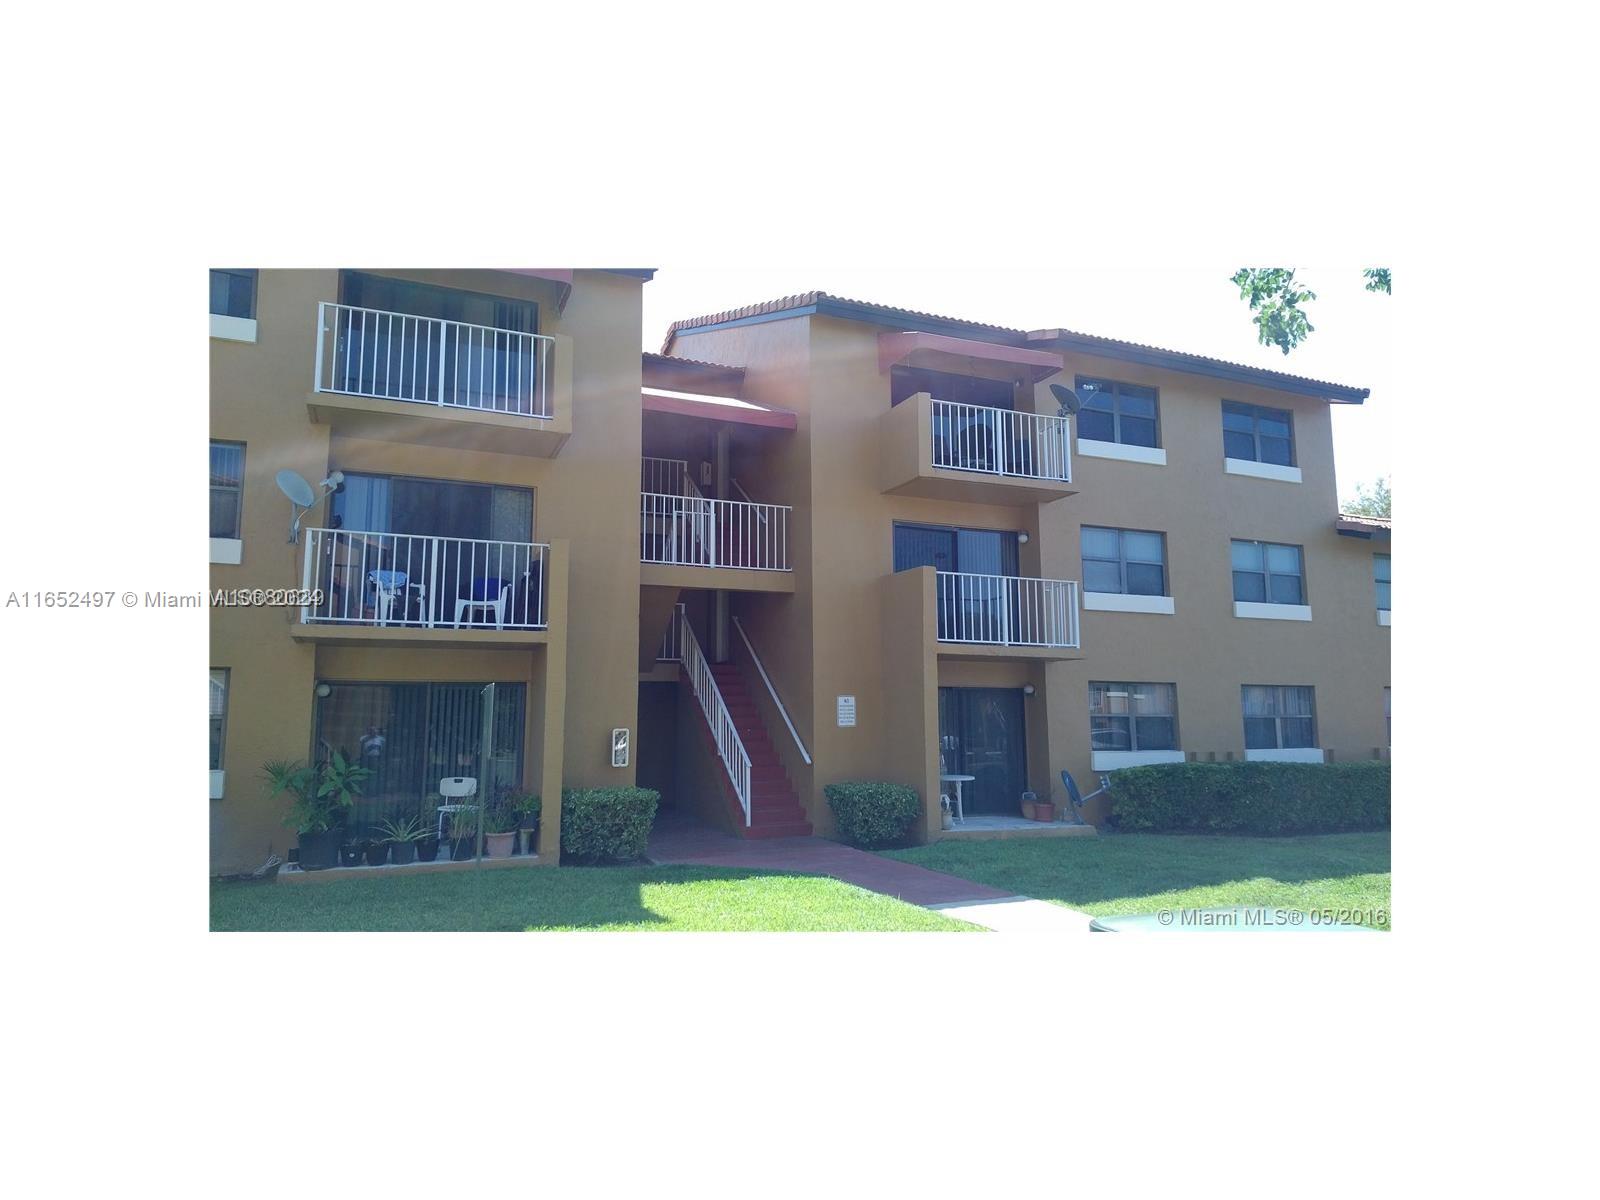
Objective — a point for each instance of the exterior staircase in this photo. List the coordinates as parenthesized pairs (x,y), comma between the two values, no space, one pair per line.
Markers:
(774,809)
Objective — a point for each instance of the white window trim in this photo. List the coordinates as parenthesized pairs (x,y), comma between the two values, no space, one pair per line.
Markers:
(1256,610)
(1113,760)
(1124,602)
(1383,617)
(1296,754)
(1155,456)
(1258,470)
(218,779)
(233,329)
(228,551)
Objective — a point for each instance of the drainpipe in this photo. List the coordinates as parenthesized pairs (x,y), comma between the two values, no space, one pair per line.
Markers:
(719,615)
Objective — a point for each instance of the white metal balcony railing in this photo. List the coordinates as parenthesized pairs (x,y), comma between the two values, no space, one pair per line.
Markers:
(363,578)
(999,441)
(664,475)
(686,529)
(685,649)
(395,356)
(1006,610)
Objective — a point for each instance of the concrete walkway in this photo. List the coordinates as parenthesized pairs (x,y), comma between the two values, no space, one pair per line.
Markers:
(1018,914)
(677,840)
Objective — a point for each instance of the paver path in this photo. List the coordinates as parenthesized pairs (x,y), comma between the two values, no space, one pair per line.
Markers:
(677,840)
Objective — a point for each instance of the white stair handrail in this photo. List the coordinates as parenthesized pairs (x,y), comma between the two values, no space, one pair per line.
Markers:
(772,691)
(730,747)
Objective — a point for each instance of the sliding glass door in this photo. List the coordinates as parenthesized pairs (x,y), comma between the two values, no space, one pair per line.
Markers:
(982,733)
(411,735)
(972,601)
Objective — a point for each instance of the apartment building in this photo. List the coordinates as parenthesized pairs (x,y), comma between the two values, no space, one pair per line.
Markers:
(810,540)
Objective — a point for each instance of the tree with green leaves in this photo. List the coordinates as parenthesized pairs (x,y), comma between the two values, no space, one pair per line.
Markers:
(1371,504)
(1275,297)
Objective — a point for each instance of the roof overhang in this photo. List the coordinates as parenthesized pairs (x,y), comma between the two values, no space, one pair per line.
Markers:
(729,409)
(1362,527)
(1197,364)
(941,352)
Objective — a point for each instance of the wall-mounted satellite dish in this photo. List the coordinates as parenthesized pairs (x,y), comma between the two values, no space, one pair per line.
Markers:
(302,495)
(296,488)
(1068,399)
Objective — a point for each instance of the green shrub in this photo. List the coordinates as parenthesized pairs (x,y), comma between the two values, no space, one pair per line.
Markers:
(1251,797)
(606,824)
(872,814)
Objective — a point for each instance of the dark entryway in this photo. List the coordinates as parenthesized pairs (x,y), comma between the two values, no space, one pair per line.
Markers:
(982,733)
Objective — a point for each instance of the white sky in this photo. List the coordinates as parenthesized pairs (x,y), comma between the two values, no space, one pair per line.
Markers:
(1195,311)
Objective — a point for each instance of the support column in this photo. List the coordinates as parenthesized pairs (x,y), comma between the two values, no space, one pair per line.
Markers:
(719,606)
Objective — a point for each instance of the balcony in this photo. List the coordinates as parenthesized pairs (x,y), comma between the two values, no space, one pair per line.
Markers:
(943,450)
(997,614)
(368,587)
(399,377)
(689,540)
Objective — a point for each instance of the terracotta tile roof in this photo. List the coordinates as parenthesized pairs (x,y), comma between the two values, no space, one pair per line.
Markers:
(810,299)
(1065,338)
(673,360)
(1353,523)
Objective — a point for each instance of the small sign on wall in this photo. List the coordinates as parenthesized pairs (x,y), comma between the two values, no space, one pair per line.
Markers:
(847,712)
(619,747)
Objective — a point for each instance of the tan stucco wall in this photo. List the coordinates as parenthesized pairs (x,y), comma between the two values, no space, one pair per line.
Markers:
(583,679)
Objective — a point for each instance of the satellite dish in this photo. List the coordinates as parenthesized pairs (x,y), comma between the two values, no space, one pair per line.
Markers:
(1069,400)
(296,488)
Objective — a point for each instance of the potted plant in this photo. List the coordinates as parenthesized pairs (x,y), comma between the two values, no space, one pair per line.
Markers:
(528,807)
(311,814)
(500,830)
(463,834)
(350,853)
(376,852)
(402,834)
(1029,800)
(428,843)
(1043,810)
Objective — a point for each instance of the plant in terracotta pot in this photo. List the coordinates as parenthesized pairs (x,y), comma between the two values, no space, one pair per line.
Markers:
(402,835)
(1037,809)
(499,830)
(528,807)
(1029,800)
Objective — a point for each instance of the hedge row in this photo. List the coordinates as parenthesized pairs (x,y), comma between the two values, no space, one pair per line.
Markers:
(870,814)
(606,824)
(1251,797)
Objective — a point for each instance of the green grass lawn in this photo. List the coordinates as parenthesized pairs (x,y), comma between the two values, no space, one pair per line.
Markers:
(1146,872)
(586,898)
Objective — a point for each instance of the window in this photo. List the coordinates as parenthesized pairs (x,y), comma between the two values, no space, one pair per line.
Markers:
(1117,412)
(219,714)
(227,488)
(233,293)
(1133,716)
(1267,573)
(1258,434)
(1131,561)
(1380,579)
(1279,718)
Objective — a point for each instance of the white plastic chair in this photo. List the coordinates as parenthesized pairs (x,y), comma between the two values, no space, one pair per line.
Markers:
(495,605)
(456,788)
(387,587)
